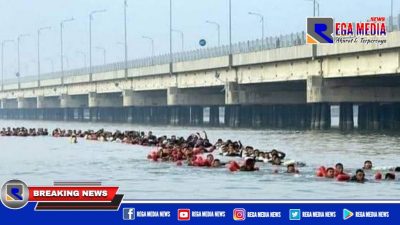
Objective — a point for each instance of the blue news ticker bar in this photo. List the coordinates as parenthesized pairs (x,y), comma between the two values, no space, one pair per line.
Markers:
(222,213)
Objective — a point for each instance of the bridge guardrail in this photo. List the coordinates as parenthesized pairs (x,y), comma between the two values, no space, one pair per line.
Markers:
(281,41)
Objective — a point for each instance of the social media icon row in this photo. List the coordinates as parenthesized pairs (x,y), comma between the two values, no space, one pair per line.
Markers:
(295,214)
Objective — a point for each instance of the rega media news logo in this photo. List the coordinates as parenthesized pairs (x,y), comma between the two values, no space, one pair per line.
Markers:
(319,30)
(14,194)
(326,31)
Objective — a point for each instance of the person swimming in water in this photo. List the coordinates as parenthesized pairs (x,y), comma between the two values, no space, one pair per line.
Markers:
(74,140)
(249,165)
(367,165)
(291,169)
(276,160)
(339,169)
(216,163)
(359,177)
(330,173)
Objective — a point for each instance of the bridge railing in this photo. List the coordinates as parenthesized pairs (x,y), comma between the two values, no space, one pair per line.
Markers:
(281,41)
(237,48)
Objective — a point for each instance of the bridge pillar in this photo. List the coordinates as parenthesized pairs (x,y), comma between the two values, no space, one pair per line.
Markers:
(232,115)
(69,101)
(371,116)
(26,103)
(315,86)
(9,103)
(214,115)
(389,116)
(40,104)
(47,102)
(179,114)
(160,115)
(196,115)
(231,93)
(256,116)
(320,116)
(232,107)
(132,98)
(346,117)
(172,96)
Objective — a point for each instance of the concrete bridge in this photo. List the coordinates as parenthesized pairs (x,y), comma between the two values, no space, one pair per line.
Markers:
(282,85)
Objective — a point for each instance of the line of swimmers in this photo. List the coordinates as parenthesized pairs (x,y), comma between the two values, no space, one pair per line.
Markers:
(134,137)
(178,149)
(359,176)
(23,132)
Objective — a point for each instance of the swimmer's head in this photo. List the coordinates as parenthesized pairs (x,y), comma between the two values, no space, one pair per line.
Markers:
(367,165)
(330,173)
(291,168)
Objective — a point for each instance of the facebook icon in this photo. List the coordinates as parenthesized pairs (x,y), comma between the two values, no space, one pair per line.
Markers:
(129,213)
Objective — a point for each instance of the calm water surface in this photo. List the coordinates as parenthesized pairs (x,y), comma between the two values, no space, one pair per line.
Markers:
(41,160)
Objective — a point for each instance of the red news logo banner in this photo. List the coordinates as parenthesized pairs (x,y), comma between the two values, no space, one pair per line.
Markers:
(72,194)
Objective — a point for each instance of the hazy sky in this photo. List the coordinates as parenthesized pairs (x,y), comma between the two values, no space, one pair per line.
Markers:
(151,18)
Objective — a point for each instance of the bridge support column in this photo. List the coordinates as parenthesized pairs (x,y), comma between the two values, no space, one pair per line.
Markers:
(214,115)
(232,93)
(320,116)
(232,115)
(158,114)
(369,116)
(26,103)
(47,102)
(346,117)
(179,115)
(196,115)
(373,113)
(256,116)
(132,98)
(129,114)
(40,104)
(391,116)
(375,116)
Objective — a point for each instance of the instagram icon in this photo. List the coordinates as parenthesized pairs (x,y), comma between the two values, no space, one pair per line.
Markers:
(239,214)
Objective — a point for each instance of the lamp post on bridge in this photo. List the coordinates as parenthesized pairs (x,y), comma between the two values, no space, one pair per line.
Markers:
(182,37)
(315,7)
(123,45)
(90,39)
(104,53)
(51,63)
(67,61)
(61,43)
(38,51)
(3,43)
(84,57)
(18,58)
(230,34)
(152,44)
(218,30)
(126,39)
(391,16)
(262,25)
(170,38)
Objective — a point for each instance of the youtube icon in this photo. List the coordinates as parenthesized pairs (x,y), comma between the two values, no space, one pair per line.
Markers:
(183,214)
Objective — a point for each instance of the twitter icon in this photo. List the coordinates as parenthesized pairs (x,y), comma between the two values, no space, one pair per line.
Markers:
(294,214)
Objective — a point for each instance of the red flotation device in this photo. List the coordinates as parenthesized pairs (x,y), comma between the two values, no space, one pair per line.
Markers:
(378,176)
(321,171)
(198,161)
(234,166)
(343,177)
(153,155)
